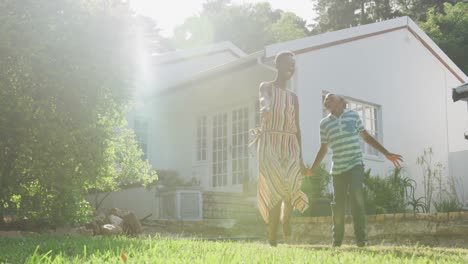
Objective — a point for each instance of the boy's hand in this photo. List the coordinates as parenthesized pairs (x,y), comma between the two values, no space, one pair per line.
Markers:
(306,171)
(395,159)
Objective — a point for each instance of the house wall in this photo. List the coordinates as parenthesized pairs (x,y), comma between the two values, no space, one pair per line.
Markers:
(177,114)
(392,70)
(186,68)
(457,121)
(164,122)
(182,65)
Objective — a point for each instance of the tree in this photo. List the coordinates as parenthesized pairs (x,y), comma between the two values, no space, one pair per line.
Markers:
(67,72)
(334,15)
(288,27)
(339,14)
(418,9)
(450,31)
(250,27)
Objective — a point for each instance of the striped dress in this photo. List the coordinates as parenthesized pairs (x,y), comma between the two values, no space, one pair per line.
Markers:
(279,160)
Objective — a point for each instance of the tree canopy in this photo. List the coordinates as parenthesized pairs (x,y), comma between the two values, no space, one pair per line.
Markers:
(450,31)
(68,69)
(338,14)
(250,27)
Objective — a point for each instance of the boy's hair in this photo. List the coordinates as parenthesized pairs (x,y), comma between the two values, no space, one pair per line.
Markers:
(281,55)
(336,95)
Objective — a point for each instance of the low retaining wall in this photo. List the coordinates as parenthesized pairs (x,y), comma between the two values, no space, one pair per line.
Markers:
(386,226)
(426,228)
(223,205)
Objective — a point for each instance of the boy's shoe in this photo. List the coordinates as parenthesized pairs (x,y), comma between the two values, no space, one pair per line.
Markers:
(273,243)
(364,243)
(336,244)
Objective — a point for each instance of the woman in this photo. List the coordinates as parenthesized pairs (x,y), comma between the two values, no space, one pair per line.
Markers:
(279,151)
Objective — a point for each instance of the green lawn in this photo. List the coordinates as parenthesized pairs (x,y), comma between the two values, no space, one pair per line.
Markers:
(50,249)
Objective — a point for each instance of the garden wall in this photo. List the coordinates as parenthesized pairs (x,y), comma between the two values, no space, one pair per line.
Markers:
(425,228)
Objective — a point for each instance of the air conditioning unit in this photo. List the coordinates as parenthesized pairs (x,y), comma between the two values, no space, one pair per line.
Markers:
(181,204)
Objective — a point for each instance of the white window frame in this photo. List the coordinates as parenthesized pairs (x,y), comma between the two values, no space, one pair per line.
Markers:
(201,151)
(239,152)
(231,183)
(221,150)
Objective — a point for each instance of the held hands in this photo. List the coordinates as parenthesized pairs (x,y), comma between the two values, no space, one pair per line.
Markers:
(395,159)
(306,171)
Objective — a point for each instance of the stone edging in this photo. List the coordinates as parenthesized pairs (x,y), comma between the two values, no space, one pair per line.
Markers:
(435,217)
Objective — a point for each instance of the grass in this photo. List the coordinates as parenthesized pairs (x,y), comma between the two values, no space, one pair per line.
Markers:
(55,249)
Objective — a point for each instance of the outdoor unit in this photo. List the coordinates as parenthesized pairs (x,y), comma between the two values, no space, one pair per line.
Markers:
(181,205)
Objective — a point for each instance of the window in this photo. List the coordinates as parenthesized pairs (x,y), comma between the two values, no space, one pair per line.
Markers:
(221,141)
(141,135)
(240,142)
(201,138)
(369,114)
(257,114)
(220,150)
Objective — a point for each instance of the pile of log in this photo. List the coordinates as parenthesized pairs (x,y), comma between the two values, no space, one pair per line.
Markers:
(116,222)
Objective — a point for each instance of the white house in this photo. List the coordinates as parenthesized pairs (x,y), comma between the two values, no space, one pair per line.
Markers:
(196,115)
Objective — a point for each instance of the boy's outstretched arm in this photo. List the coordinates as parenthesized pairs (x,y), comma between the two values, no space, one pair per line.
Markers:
(394,158)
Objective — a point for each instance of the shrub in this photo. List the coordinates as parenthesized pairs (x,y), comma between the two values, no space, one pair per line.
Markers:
(391,194)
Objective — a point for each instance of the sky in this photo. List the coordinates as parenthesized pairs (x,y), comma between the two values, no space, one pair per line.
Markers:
(170,13)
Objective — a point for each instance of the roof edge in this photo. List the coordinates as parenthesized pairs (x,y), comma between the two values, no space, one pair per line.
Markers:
(171,56)
(336,36)
(252,58)
(436,51)
(329,39)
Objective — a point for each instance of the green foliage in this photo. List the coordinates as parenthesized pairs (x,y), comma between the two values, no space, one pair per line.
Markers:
(418,9)
(67,74)
(317,185)
(391,194)
(449,30)
(171,179)
(249,27)
(334,14)
(446,22)
(288,27)
(440,191)
(317,190)
(450,203)
(432,176)
(76,249)
(447,199)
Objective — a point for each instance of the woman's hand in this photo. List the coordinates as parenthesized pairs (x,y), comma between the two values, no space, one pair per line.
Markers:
(306,171)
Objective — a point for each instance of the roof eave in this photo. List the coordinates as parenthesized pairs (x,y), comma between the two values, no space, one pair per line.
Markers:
(240,63)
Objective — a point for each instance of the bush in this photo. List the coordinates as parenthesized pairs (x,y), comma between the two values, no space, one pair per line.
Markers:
(316,189)
(317,185)
(391,194)
(448,204)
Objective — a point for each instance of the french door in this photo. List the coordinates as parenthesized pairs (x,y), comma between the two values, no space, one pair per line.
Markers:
(229,147)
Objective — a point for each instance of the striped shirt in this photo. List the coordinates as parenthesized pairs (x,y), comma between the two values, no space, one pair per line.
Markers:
(342,135)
